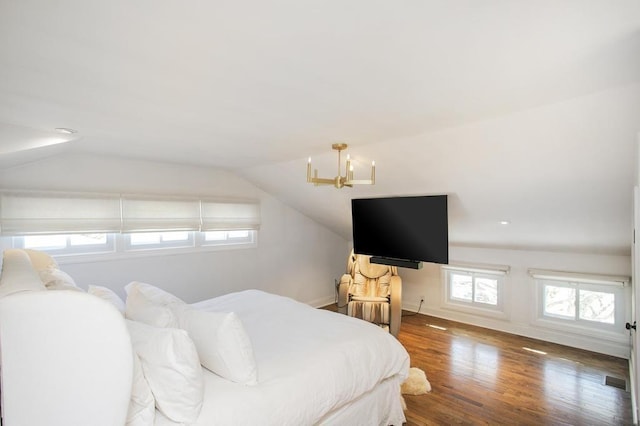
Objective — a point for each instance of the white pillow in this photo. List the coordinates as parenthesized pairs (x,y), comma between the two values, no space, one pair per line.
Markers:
(18,273)
(151,305)
(139,309)
(107,294)
(222,343)
(171,366)
(142,405)
(152,293)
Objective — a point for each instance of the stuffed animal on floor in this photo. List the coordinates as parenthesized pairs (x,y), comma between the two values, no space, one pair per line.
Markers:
(416,383)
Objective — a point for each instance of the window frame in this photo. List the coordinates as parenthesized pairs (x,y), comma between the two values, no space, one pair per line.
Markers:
(493,272)
(121,247)
(578,324)
(129,246)
(110,245)
(228,241)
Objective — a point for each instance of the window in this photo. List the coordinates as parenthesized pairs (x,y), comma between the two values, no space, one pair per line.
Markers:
(68,243)
(472,288)
(178,239)
(138,242)
(581,301)
(477,287)
(158,240)
(228,237)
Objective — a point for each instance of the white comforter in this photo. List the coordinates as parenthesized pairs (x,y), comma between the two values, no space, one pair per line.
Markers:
(310,362)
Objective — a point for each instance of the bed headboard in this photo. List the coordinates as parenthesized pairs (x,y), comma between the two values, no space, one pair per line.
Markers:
(65,358)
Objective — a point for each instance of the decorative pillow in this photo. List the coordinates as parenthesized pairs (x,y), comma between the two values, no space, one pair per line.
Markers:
(151,305)
(18,273)
(55,279)
(108,295)
(52,277)
(41,260)
(171,366)
(222,343)
(142,406)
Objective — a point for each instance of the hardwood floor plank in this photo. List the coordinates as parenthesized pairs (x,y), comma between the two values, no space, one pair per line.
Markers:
(485,377)
(481,376)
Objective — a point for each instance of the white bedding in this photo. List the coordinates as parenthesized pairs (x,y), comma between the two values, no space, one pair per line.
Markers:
(312,365)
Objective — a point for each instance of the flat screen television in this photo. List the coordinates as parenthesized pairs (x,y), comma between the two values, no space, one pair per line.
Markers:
(406,228)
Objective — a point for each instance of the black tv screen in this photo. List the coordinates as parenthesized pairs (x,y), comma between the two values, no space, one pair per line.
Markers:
(407,228)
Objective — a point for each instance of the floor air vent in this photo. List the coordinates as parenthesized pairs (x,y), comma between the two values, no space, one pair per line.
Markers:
(615,382)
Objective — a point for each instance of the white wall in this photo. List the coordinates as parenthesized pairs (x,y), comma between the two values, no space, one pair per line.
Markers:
(520,294)
(295,256)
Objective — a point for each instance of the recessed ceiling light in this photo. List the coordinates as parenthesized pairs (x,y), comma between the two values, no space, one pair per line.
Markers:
(504,222)
(66,130)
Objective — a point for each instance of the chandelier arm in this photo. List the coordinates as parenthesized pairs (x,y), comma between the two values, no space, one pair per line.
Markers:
(358,182)
(322,181)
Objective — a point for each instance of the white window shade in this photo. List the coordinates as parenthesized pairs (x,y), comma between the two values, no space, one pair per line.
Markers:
(477,267)
(41,212)
(140,214)
(29,213)
(226,215)
(612,280)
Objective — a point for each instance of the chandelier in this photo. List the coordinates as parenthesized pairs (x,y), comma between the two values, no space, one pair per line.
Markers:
(341,181)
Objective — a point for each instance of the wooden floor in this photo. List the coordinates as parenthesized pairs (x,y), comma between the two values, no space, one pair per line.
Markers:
(484,377)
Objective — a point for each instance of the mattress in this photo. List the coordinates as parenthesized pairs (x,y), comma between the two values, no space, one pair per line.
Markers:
(314,367)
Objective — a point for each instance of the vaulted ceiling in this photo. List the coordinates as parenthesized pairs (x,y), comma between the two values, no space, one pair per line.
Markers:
(526,112)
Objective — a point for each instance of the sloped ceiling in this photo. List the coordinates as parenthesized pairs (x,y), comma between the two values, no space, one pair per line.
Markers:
(521,112)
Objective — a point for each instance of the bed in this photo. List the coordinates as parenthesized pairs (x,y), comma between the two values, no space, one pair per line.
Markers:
(66,358)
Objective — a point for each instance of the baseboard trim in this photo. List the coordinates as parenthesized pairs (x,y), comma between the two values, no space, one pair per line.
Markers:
(632,385)
(322,302)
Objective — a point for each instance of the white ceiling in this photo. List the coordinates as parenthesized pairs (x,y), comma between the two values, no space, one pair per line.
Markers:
(521,111)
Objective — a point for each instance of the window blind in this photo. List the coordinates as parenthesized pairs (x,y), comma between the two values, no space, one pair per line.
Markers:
(222,215)
(28,213)
(613,280)
(141,213)
(476,267)
(33,213)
